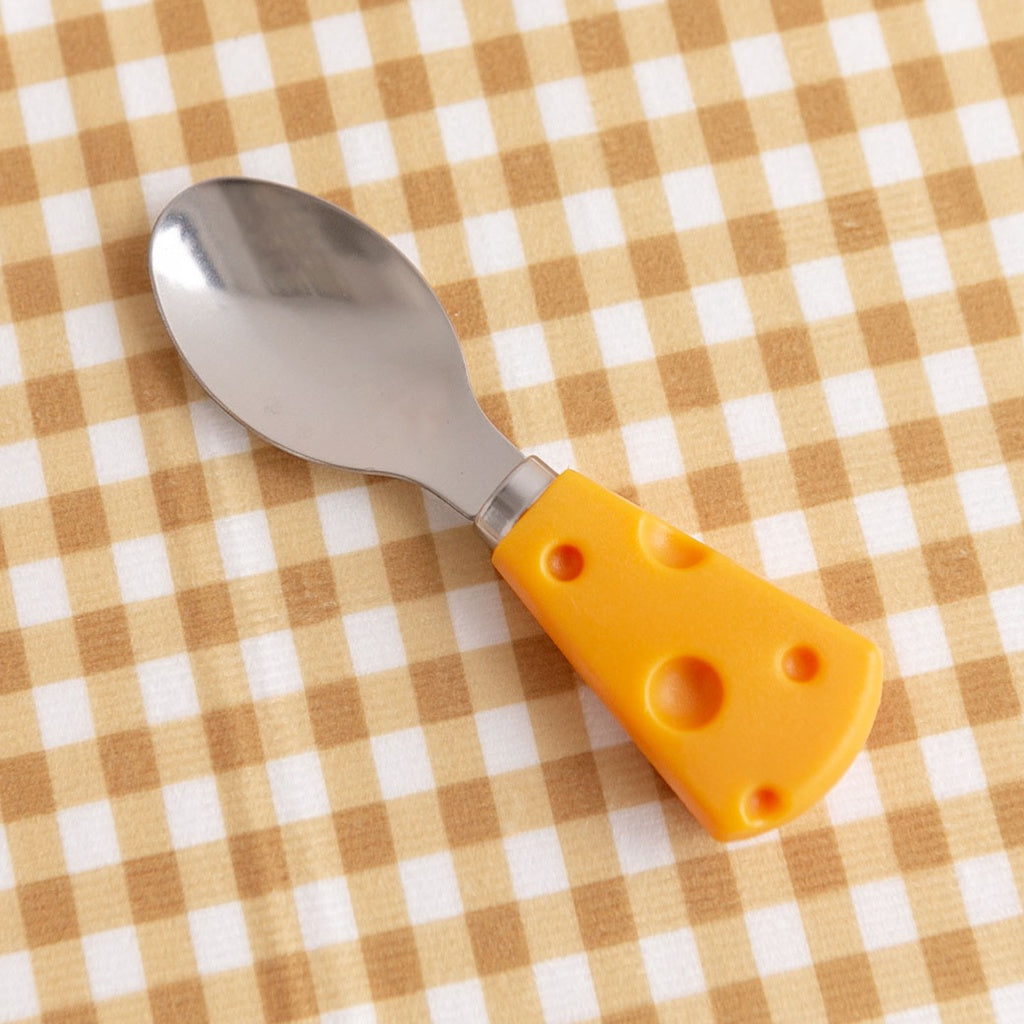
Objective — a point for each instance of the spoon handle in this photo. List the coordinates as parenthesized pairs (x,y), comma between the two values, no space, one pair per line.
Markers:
(750,703)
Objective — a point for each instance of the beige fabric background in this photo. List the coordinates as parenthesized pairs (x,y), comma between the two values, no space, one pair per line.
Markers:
(275,744)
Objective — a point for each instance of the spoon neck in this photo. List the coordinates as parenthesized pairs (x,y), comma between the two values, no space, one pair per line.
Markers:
(511,498)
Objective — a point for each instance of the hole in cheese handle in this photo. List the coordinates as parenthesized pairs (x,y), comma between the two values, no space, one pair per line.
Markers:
(749,702)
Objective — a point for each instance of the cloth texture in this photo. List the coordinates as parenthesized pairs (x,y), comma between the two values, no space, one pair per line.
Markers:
(276,743)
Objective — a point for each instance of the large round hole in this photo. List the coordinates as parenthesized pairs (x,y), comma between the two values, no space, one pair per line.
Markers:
(801,663)
(668,546)
(564,562)
(684,693)
(761,805)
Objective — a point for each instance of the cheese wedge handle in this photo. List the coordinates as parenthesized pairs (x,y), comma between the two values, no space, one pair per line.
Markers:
(750,703)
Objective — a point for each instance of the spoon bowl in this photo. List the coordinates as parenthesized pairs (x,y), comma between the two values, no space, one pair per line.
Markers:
(319,335)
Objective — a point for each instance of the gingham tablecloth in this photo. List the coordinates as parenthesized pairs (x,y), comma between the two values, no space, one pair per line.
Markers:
(275,742)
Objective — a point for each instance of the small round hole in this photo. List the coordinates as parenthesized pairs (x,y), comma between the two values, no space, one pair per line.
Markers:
(565,562)
(761,804)
(684,693)
(801,663)
(668,546)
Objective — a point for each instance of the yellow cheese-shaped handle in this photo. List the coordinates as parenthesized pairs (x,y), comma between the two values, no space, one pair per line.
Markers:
(750,703)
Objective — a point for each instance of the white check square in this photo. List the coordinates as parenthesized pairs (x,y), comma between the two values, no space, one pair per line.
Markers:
(988,131)
(956,24)
(641,838)
(220,939)
(887,521)
(792,176)
(245,545)
(988,889)
(466,130)
(922,266)
(193,812)
(143,571)
(693,198)
(63,713)
(1008,235)
(723,311)
(440,24)
(987,497)
(1008,611)
(271,163)
(754,427)
(565,109)
(777,939)
(346,518)
(603,728)
(785,544)
(953,764)
(7,880)
(494,243)
(593,220)
(368,153)
(884,915)
(402,762)
(341,43)
(88,836)
(17,981)
(955,380)
(663,86)
(70,221)
(858,43)
(478,617)
(46,110)
(244,65)
(919,641)
(535,863)
(160,187)
(10,361)
(217,433)
(326,917)
(374,640)
(855,796)
(535,14)
(21,474)
(19,16)
(854,403)
(822,289)
(1008,1003)
(566,989)
(652,450)
(431,887)
(40,593)
(297,788)
(506,739)
(622,333)
(168,689)
(93,335)
(522,355)
(118,450)
(761,65)
(890,153)
(672,963)
(113,963)
(271,664)
(146,89)
(457,1003)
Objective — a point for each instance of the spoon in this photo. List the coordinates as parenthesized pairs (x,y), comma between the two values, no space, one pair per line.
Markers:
(317,334)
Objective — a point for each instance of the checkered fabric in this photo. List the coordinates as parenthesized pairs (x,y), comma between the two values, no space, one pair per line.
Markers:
(275,742)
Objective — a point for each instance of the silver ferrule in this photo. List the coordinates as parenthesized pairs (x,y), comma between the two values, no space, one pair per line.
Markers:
(511,498)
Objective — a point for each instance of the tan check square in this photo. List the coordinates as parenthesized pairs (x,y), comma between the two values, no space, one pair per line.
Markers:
(274,742)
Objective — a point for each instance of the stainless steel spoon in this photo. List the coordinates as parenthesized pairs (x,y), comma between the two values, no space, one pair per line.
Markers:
(319,335)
